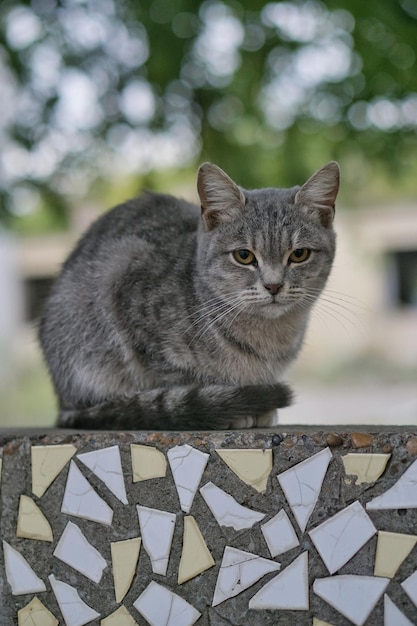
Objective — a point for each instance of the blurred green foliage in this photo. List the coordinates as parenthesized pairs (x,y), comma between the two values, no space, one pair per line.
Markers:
(96,89)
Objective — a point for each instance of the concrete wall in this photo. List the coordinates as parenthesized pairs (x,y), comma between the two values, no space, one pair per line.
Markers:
(307,525)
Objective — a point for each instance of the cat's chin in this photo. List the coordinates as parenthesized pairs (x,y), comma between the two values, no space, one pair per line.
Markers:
(273,310)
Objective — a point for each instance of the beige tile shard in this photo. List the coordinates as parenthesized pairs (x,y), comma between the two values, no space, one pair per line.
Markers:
(251,466)
(121,617)
(124,555)
(195,557)
(147,462)
(391,550)
(320,622)
(367,467)
(47,463)
(31,522)
(36,614)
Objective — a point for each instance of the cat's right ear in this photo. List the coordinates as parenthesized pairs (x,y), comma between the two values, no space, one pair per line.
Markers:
(221,199)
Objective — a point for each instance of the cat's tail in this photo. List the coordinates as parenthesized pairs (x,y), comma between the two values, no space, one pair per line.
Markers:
(211,407)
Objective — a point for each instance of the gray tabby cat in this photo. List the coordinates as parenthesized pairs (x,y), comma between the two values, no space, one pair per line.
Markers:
(165,318)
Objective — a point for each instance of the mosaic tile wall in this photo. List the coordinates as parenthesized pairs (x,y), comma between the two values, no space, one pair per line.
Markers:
(233,528)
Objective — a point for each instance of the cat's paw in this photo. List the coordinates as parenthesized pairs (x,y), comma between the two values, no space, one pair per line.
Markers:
(267,420)
(242,422)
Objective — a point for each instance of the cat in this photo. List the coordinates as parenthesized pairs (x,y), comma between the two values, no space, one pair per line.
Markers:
(168,317)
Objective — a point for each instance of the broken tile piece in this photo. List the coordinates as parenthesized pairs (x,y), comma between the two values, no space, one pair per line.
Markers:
(36,614)
(195,556)
(147,462)
(239,570)
(74,550)
(81,500)
(410,587)
(392,614)
(279,534)
(47,463)
(121,617)
(402,495)
(107,466)
(250,465)
(367,467)
(226,510)
(124,556)
(187,466)
(20,576)
(391,550)
(352,596)
(157,529)
(302,484)
(288,590)
(320,622)
(340,537)
(31,522)
(74,611)
(161,607)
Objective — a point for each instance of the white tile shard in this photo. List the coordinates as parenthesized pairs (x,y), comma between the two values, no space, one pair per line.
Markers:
(239,570)
(76,551)
(288,590)
(353,596)
(253,466)
(402,495)
(47,463)
(106,464)
(36,614)
(195,556)
(226,510)
(31,522)
(279,534)
(391,550)
(302,484)
(20,576)
(392,614)
(81,500)
(74,610)
(410,587)
(340,537)
(157,530)
(161,607)
(124,555)
(187,466)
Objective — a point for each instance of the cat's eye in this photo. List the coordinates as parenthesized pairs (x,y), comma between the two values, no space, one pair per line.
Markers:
(299,255)
(244,257)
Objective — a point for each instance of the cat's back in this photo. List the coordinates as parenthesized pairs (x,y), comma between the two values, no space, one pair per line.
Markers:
(153,218)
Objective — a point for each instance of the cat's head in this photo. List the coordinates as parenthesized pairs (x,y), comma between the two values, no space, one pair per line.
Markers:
(266,251)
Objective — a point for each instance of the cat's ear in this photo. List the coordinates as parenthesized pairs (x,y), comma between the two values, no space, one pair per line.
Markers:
(221,199)
(318,195)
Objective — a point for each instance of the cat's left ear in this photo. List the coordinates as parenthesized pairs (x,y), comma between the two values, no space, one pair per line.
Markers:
(221,199)
(318,194)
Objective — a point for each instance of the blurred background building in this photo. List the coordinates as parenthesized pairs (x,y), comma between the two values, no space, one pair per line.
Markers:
(100,99)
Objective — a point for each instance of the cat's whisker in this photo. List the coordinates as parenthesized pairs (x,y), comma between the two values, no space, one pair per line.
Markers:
(240,304)
(333,310)
(341,296)
(212,310)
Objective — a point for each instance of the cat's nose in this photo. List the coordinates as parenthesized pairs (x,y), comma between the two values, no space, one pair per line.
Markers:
(273,288)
